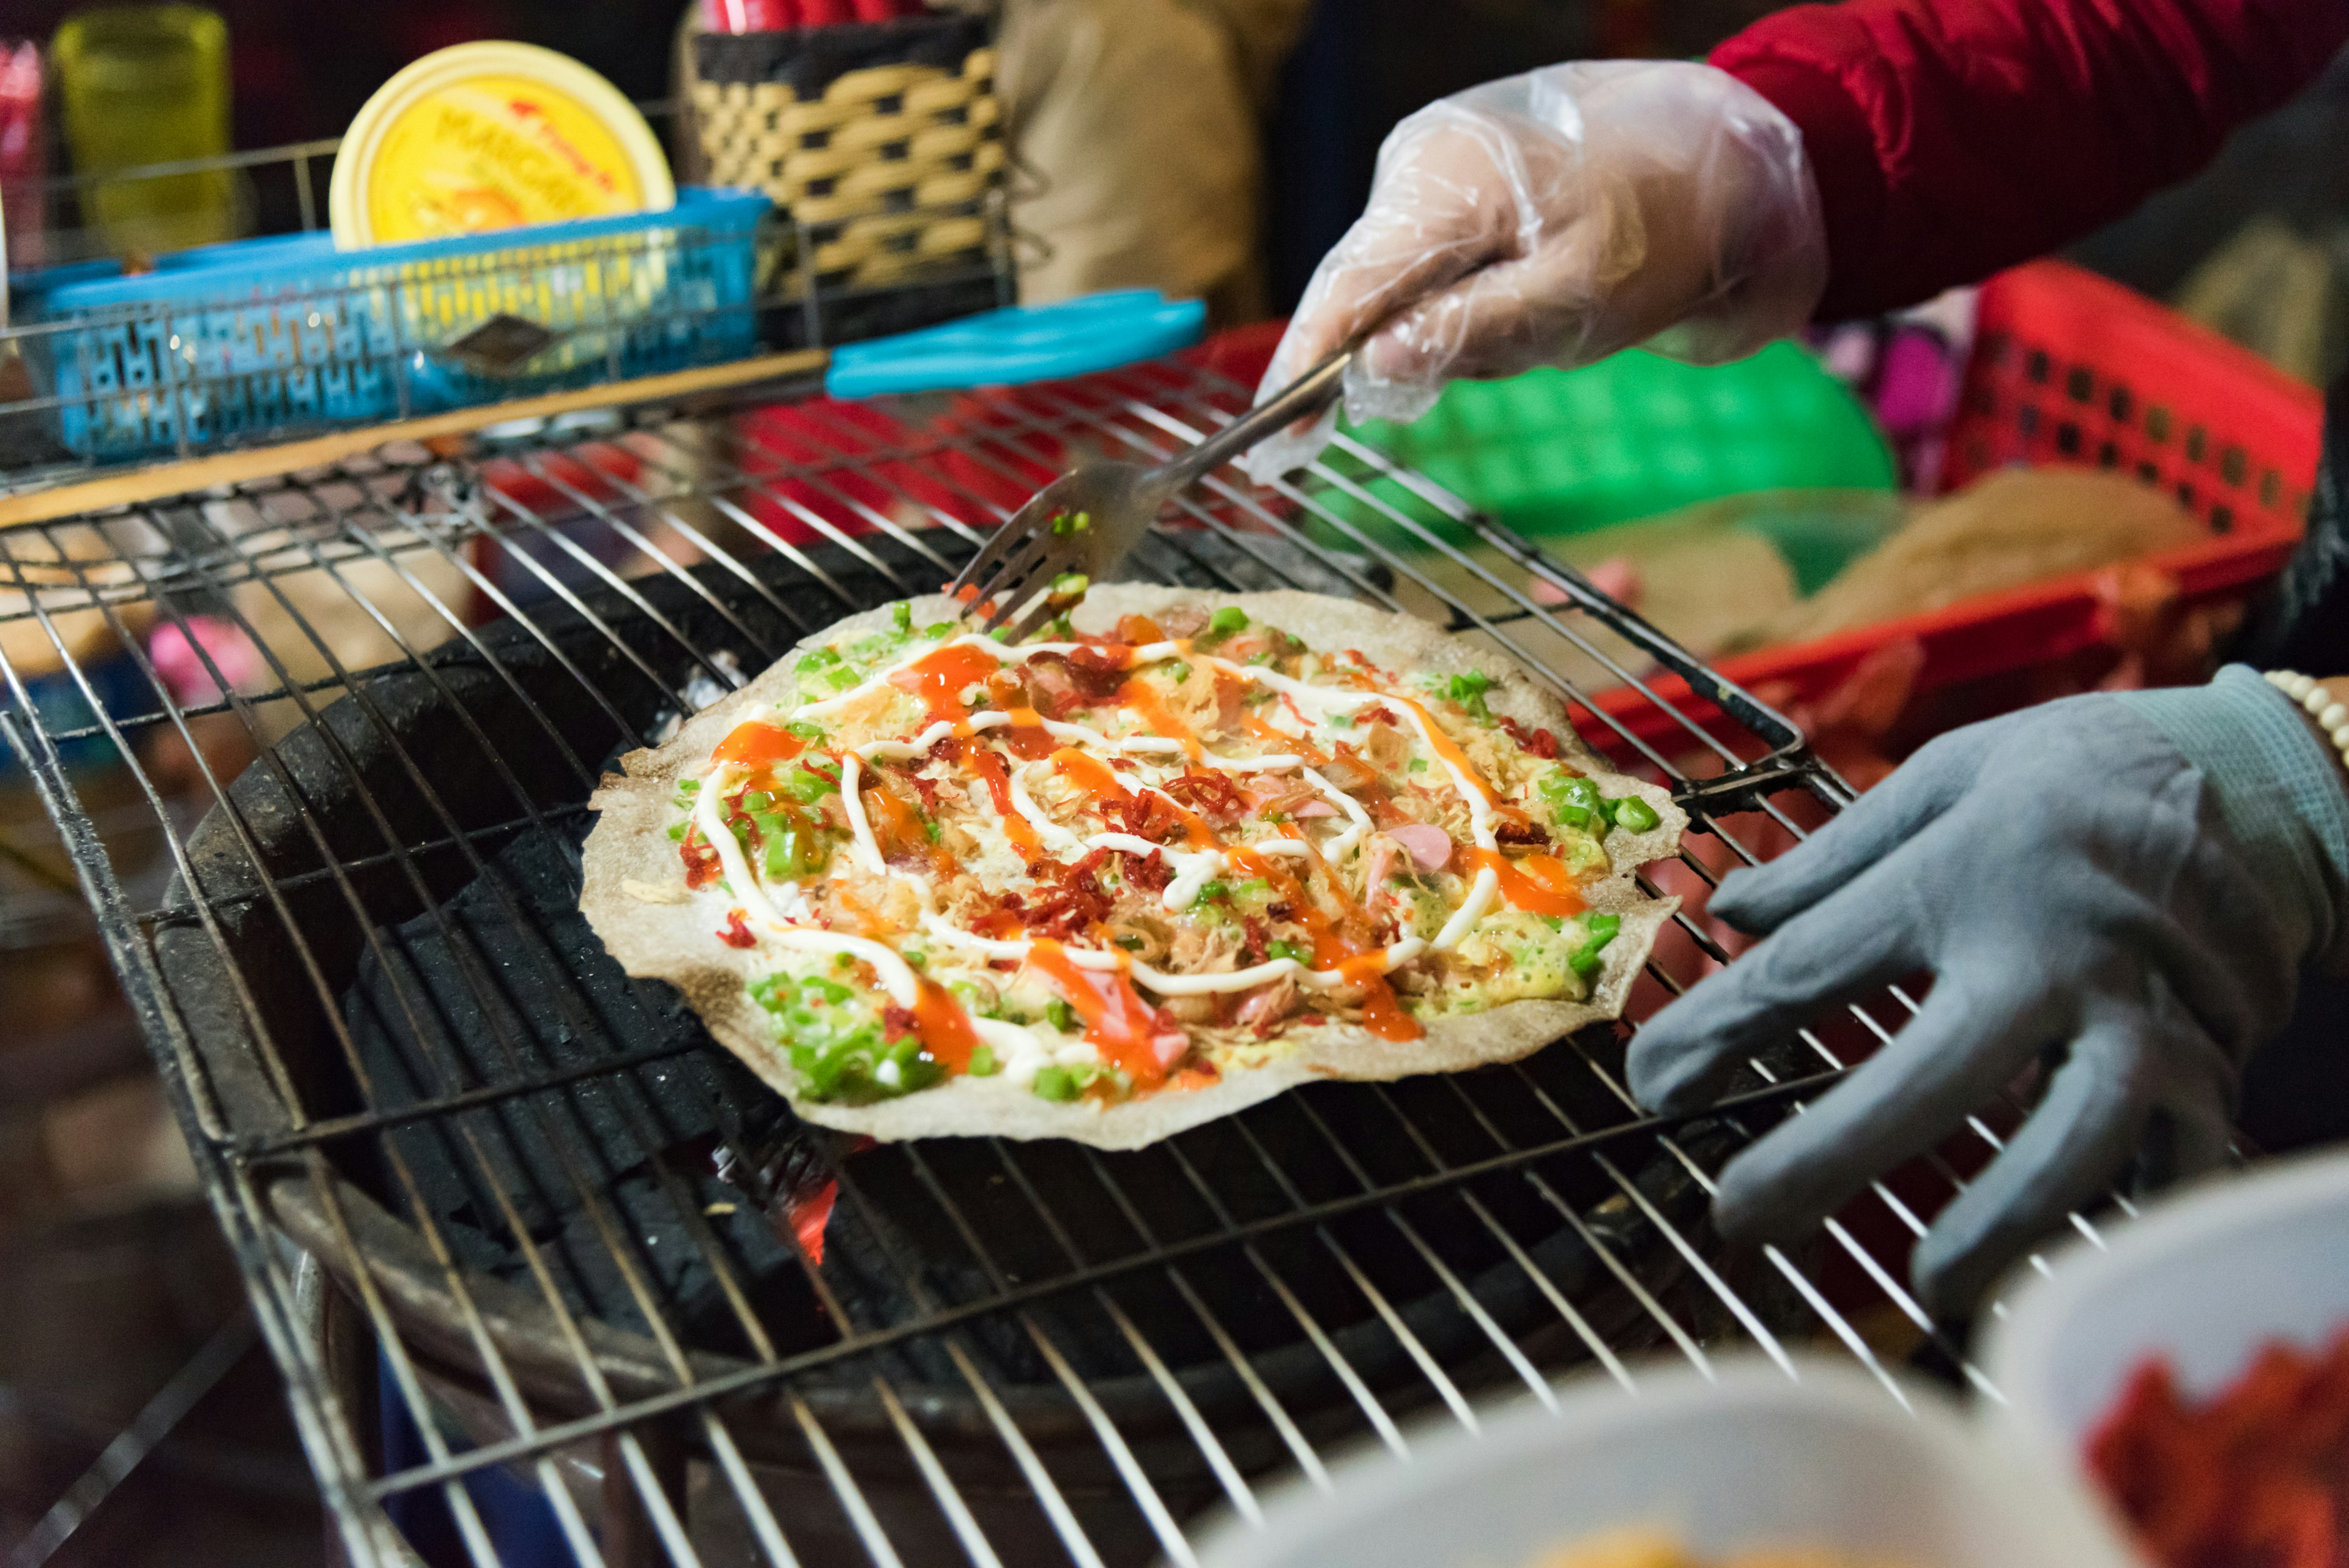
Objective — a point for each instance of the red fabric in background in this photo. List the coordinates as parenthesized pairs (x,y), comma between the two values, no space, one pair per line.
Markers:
(1952,138)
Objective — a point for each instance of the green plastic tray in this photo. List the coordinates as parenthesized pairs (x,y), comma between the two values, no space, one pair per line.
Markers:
(1562,452)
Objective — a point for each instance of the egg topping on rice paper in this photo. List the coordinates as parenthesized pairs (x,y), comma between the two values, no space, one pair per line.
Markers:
(1170,858)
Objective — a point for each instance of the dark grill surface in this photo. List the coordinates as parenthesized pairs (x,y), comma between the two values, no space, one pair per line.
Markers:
(588,1246)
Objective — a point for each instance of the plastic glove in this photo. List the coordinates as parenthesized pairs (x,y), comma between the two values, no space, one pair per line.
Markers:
(1552,219)
(2129,883)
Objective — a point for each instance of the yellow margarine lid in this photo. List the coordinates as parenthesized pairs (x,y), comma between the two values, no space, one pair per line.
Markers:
(490,136)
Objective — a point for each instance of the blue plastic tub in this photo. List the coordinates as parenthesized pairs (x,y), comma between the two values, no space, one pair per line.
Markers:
(263,337)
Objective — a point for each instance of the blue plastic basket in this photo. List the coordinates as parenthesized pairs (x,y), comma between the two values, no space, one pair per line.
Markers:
(263,337)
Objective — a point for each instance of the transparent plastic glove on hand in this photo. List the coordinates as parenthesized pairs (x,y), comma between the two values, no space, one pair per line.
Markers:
(1552,219)
(2080,891)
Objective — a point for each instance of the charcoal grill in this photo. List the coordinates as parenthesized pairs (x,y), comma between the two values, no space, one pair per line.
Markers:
(548,1202)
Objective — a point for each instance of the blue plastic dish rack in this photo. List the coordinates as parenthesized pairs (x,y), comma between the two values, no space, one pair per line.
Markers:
(258,337)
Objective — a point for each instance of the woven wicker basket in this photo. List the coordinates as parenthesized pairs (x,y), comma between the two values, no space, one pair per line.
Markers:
(884,141)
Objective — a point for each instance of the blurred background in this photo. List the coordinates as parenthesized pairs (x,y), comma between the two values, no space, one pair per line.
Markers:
(139,1421)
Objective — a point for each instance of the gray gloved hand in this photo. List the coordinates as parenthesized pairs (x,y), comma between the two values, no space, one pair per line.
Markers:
(2131,882)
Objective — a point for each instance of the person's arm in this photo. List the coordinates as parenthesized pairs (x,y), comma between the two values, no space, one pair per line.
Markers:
(1951,138)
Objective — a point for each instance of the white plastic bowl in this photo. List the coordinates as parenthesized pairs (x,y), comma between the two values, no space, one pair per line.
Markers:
(1756,1460)
(2204,1278)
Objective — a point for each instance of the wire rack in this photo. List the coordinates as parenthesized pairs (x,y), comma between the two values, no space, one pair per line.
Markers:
(576,1249)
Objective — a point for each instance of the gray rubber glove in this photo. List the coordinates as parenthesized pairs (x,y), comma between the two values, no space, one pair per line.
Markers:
(2133,883)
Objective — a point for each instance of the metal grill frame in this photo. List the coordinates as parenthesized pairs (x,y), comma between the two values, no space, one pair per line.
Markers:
(1146,411)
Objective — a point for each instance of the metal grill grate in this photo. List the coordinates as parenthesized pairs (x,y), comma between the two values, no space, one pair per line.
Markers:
(581,1241)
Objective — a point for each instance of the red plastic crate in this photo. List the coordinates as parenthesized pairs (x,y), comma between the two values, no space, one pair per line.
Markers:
(2069,368)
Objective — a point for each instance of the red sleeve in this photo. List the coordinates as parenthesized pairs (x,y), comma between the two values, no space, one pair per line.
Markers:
(1952,138)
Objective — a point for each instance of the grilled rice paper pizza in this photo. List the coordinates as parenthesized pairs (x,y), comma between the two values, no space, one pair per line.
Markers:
(1167,860)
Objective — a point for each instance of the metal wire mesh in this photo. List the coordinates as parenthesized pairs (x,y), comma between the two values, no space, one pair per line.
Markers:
(576,1245)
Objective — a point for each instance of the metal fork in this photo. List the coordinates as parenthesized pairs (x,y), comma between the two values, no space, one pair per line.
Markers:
(1087,519)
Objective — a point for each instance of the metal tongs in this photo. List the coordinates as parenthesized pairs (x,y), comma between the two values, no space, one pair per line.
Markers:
(1084,522)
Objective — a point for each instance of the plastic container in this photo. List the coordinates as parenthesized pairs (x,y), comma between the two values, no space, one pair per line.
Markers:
(2203,1279)
(142,84)
(261,335)
(485,136)
(1563,452)
(1756,1460)
(2069,368)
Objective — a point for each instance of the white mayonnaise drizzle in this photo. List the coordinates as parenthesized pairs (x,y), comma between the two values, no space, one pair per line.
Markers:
(852,799)
(1191,868)
(1053,837)
(1196,868)
(1019,1052)
(1480,822)
(1003,653)
(896,975)
(1360,818)
(771,922)
(1165,984)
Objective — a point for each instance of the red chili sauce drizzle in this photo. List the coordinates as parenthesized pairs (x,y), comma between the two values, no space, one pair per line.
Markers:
(940,1023)
(1127,1032)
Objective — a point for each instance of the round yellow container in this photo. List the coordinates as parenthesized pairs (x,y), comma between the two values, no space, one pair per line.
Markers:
(492,136)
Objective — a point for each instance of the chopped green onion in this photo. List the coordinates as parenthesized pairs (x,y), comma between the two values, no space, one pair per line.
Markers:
(1212,888)
(792,850)
(676,831)
(1467,690)
(1598,931)
(1070,583)
(1227,621)
(1055,1084)
(1178,672)
(902,614)
(807,784)
(755,801)
(805,731)
(938,629)
(1060,1016)
(1634,813)
(983,1064)
(1573,802)
(1281,949)
(1418,764)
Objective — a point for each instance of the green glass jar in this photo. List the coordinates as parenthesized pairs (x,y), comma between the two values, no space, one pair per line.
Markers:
(140,85)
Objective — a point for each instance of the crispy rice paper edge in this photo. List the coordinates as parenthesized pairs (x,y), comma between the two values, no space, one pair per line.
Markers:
(636,898)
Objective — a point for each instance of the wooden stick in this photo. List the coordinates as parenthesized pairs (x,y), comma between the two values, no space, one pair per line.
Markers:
(181,476)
